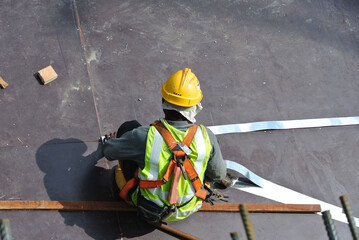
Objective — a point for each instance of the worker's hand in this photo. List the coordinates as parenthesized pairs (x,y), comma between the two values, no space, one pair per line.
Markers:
(105,138)
(111,135)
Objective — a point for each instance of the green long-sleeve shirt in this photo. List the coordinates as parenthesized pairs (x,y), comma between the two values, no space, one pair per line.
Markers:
(132,146)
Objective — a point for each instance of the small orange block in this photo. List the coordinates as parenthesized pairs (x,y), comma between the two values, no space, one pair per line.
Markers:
(3,84)
(47,75)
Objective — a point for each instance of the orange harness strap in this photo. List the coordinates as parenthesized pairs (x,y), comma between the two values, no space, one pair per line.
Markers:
(171,142)
(196,181)
(163,180)
(133,182)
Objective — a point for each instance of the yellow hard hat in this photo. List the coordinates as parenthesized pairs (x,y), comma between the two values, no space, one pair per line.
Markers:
(182,89)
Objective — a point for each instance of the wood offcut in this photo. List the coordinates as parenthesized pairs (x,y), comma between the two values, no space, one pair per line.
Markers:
(3,84)
(47,75)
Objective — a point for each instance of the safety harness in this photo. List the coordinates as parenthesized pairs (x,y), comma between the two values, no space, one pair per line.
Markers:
(179,164)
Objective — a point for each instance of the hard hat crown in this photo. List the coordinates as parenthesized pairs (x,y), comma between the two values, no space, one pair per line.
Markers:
(182,89)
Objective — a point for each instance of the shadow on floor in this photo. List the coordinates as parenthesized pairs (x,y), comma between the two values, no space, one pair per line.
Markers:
(71,176)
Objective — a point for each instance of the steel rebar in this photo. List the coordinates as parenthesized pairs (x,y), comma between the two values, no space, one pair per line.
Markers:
(329,225)
(5,229)
(235,236)
(247,222)
(348,212)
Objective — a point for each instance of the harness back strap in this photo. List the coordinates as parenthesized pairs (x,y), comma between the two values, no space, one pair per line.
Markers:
(191,172)
(171,143)
(196,181)
(158,183)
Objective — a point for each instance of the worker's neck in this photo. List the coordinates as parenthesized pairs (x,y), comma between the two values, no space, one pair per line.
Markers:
(173,116)
(175,119)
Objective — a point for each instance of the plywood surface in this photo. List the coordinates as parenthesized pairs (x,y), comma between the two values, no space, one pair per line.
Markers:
(256,61)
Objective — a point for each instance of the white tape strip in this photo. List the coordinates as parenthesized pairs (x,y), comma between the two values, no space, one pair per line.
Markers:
(281,194)
(287,124)
(245,172)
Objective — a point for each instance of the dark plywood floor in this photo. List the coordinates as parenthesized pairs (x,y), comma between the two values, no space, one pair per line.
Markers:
(256,61)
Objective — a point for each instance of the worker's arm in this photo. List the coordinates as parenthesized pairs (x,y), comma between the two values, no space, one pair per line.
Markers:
(130,146)
(216,167)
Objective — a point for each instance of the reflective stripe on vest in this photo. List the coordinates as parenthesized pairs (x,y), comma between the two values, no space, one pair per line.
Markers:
(156,162)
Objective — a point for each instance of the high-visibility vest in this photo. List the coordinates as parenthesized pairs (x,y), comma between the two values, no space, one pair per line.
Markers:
(157,162)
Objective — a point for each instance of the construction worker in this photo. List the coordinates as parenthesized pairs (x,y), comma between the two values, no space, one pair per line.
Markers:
(170,168)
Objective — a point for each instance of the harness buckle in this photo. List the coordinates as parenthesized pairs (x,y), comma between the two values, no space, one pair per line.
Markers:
(179,162)
(213,194)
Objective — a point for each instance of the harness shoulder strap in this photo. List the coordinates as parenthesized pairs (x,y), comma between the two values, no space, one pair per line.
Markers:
(171,142)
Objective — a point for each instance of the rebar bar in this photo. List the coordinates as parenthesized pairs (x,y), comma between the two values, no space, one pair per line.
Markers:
(5,229)
(247,222)
(329,225)
(235,236)
(348,212)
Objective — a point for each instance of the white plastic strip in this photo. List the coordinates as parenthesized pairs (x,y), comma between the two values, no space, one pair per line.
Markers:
(281,194)
(287,124)
(245,172)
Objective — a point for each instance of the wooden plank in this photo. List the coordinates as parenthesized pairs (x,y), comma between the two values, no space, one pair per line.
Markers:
(66,206)
(124,207)
(3,84)
(175,231)
(263,207)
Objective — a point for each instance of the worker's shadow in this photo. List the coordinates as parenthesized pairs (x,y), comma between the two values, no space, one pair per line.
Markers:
(71,176)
